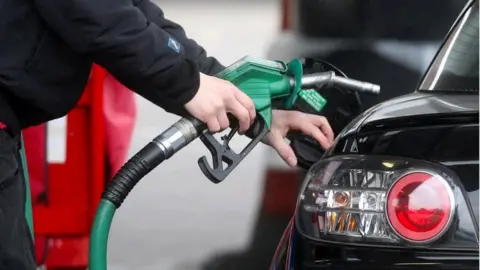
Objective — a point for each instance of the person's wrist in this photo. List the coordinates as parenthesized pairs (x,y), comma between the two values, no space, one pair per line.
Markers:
(186,86)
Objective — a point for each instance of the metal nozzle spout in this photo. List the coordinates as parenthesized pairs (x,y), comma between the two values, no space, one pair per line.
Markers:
(364,87)
(317,80)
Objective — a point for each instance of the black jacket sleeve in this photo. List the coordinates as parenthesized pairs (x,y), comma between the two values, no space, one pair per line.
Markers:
(117,35)
(208,65)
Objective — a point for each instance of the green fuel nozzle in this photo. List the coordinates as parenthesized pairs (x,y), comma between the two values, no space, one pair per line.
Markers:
(265,82)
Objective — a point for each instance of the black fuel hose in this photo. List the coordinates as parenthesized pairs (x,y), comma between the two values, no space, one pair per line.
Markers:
(159,149)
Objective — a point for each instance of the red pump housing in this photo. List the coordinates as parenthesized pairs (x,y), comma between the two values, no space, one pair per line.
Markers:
(95,137)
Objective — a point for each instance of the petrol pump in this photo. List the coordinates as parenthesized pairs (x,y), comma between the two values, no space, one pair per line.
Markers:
(81,142)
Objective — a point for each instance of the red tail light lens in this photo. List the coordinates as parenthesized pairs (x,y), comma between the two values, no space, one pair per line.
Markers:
(377,200)
(419,206)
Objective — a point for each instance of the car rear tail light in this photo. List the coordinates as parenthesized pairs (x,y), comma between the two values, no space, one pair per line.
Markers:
(419,206)
(373,199)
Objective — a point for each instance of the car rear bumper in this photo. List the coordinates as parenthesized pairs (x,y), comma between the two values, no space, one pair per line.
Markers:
(301,254)
(453,265)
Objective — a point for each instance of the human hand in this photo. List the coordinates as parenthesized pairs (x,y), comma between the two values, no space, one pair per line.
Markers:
(215,98)
(285,121)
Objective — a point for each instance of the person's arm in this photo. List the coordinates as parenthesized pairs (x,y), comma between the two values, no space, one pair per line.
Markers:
(117,35)
(208,65)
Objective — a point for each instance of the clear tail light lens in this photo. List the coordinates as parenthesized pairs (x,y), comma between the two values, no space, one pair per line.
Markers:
(374,199)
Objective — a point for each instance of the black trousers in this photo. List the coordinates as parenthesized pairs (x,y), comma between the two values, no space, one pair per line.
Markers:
(16,244)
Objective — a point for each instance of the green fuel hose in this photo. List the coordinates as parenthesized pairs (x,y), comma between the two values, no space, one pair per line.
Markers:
(99,235)
(28,201)
(159,149)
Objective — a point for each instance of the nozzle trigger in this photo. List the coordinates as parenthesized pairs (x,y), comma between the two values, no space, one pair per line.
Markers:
(222,153)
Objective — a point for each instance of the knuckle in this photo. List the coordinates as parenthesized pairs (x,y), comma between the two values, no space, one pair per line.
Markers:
(251,105)
(214,128)
(225,93)
(240,112)
(223,90)
(321,117)
(208,121)
(229,87)
(243,121)
(229,98)
(323,120)
(245,116)
(237,92)
(210,113)
(232,86)
(217,106)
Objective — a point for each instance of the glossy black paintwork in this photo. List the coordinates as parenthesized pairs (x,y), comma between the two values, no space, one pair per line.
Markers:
(328,257)
(434,126)
(408,111)
(431,126)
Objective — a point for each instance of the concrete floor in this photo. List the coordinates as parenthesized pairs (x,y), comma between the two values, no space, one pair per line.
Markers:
(176,217)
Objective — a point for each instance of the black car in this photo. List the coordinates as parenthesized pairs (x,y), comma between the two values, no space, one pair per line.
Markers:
(399,187)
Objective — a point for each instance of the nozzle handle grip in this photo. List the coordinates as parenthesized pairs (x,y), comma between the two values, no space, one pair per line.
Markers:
(224,159)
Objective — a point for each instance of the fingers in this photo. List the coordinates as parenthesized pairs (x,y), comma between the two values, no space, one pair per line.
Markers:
(313,131)
(223,120)
(313,125)
(247,103)
(242,107)
(213,124)
(216,118)
(230,103)
(322,123)
(284,150)
(215,98)
(241,113)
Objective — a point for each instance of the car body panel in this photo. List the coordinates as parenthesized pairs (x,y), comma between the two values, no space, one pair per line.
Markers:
(421,103)
(438,126)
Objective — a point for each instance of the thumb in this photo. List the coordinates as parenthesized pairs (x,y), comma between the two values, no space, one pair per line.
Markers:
(283,149)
